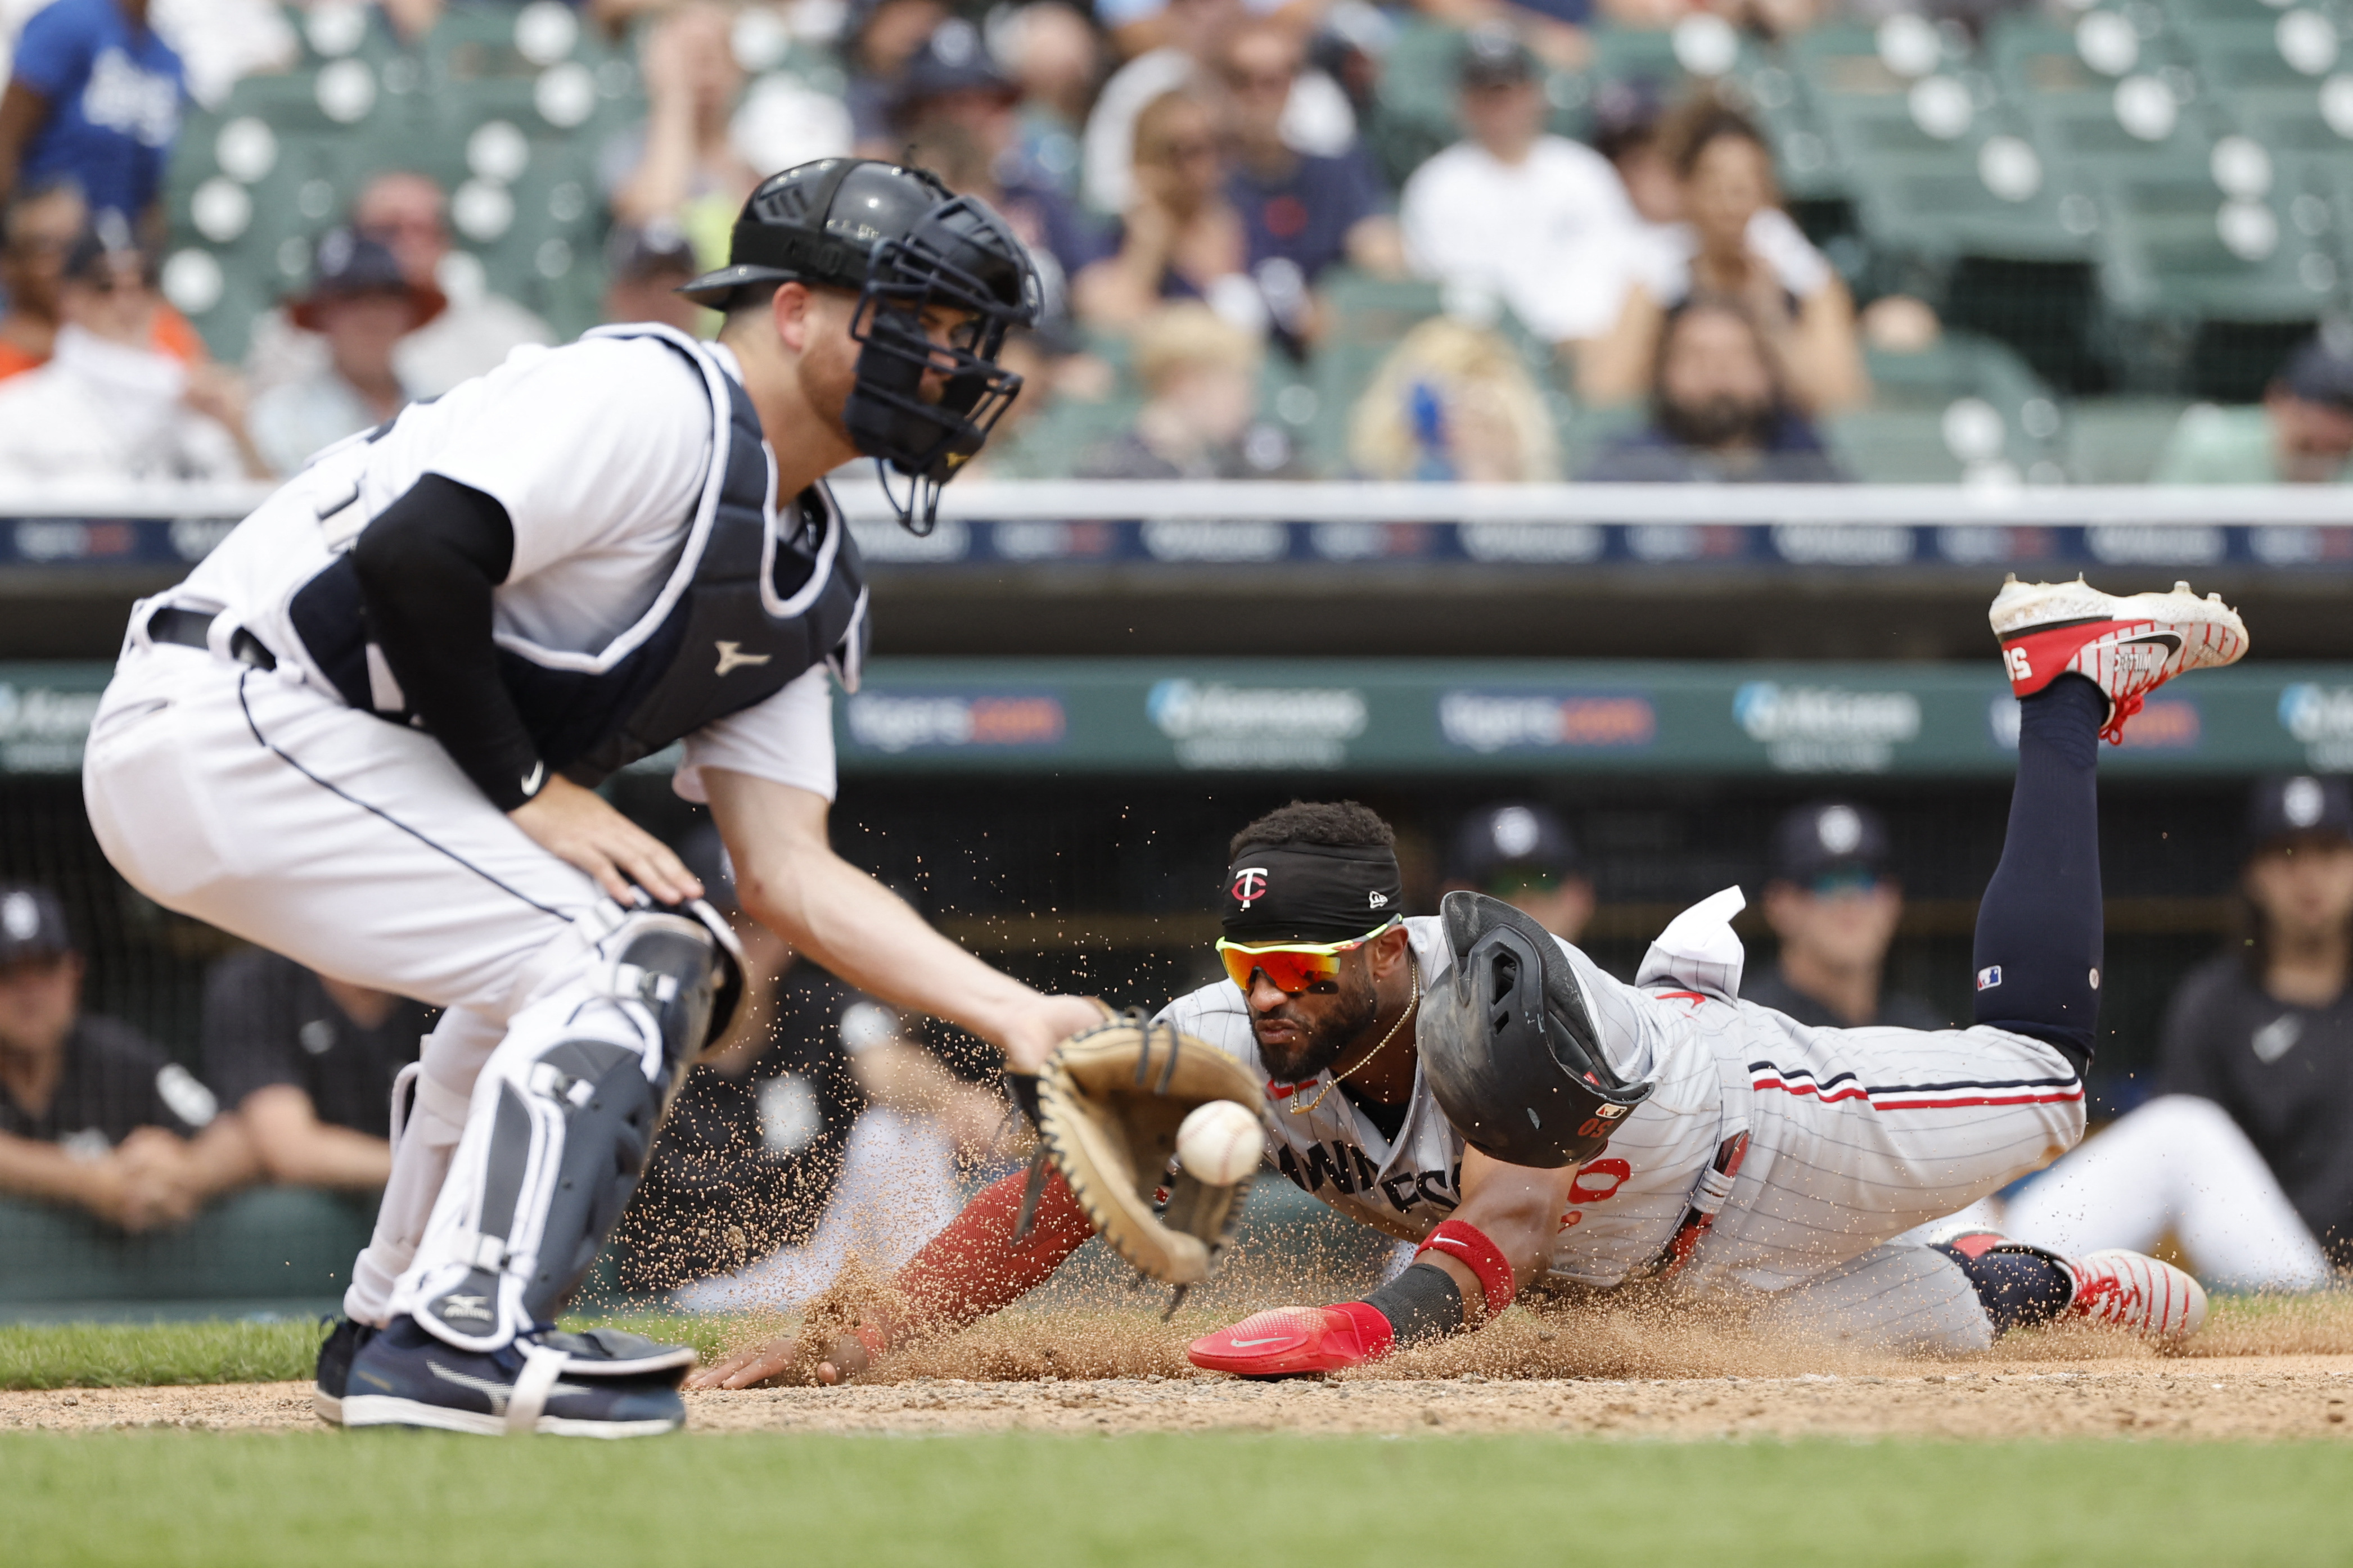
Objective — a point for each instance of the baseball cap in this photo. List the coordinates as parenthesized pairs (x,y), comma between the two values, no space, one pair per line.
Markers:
(1494,57)
(32,924)
(2279,807)
(1514,835)
(953,59)
(2321,370)
(1826,836)
(347,264)
(658,249)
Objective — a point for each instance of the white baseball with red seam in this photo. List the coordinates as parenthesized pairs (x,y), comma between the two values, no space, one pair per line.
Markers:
(1220,1143)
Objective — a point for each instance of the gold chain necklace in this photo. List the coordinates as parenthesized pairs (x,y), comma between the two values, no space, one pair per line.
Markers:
(1412,969)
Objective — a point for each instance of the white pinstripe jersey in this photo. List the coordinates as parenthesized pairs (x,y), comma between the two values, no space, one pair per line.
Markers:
(1628,1200)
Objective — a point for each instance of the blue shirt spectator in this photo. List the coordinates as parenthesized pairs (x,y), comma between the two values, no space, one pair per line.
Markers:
(95,99)
(1304,213)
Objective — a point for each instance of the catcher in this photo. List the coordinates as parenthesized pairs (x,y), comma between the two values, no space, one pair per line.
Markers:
(1473,1084)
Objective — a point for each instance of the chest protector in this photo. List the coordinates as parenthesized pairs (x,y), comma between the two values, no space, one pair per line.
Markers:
(758,597)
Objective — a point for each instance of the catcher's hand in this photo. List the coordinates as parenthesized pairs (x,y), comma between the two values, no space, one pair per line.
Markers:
(1110,1101)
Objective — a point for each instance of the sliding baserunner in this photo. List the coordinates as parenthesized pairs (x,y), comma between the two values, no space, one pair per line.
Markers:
(1469,1082)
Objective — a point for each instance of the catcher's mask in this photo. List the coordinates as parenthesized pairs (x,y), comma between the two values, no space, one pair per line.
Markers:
(906,244)
(1510,1046)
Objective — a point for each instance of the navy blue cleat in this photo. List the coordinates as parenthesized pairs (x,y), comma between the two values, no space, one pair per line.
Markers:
(335,1353)
(598,1383)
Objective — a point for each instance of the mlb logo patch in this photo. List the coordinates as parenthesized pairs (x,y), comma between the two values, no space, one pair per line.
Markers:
(1990,977)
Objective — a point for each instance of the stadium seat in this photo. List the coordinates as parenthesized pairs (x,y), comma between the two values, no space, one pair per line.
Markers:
(2118,440)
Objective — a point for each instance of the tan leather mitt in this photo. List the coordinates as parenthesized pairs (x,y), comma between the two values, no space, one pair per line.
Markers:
(1110,1101)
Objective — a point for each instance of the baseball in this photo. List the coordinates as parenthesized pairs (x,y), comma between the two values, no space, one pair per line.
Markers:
(1220,1142)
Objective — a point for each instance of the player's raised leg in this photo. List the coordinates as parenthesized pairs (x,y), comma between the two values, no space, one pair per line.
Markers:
(2081,662)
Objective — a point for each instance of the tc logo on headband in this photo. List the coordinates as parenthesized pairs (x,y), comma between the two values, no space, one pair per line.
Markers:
(1250,885)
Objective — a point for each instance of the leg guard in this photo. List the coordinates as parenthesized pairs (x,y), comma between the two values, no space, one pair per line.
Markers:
(557,1133)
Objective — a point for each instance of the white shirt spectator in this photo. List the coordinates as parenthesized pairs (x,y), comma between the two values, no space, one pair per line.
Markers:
(1548,236)
(99,410)
(1662,255)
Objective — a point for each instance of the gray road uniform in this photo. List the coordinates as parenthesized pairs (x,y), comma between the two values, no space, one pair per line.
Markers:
(1770,1156)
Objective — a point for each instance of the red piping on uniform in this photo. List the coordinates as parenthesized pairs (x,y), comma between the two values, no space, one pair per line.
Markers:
(1957,1102)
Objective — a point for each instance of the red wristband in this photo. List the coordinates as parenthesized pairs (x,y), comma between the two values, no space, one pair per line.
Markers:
(1469,1245)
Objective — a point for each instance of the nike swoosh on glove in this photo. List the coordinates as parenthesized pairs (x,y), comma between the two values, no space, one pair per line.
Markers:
(1289,1341)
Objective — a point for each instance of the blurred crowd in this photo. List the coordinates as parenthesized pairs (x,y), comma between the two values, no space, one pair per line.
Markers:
(1191,175)
(825,1126)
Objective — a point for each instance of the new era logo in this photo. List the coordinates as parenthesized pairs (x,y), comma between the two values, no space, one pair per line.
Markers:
(1989,977)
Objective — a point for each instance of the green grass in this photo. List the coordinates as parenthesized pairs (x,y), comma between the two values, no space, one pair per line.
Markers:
(1192,1501)
(143,1355)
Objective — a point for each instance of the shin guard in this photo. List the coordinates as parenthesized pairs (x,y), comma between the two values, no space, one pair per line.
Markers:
(558,1130)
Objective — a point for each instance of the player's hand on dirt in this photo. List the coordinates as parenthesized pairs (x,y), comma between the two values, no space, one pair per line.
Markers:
(756,1365)
(1045,1023)
(579,827)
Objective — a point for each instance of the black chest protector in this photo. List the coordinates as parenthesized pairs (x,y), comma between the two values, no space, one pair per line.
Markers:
(758,597)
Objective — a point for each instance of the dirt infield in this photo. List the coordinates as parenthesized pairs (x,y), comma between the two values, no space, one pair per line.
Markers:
(2231,1399)
(1614,1366)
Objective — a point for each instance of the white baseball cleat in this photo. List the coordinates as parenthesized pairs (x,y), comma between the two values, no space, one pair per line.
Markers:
(2127,645)
(2133,1291)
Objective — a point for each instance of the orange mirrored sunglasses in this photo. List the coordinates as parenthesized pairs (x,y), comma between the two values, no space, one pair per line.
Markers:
(1295,968)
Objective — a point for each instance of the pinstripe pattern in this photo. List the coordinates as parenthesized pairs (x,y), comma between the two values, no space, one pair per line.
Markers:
(1858,1135)
(1908,1300)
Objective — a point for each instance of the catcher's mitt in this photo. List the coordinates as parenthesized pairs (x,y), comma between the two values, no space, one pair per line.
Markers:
(1109,1101)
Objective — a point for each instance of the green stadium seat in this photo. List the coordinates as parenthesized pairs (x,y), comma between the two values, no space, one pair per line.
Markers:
(2172,246)
(2242,61)
(264,1244)
(2118,440)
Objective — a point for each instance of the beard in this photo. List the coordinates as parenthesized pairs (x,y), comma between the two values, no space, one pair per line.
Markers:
(1714,424)
(1323,1033)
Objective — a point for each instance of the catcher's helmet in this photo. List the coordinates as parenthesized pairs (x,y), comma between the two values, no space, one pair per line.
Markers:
(903,242)
(1510,1046)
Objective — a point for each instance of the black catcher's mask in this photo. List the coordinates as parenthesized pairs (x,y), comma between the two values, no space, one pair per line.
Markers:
(906,244)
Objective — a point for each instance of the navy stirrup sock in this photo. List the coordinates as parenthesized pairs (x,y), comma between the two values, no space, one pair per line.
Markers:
(2038,950)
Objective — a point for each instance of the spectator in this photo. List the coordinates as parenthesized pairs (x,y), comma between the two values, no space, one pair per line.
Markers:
(1199,374)
(644,269)
(1520,853)
(1739,246)
(41,226)
(40,230)
(815,1129)
(2302,432)
(221,41)
(1533,221)
(1181,238)
(402,211)
(877,41)
(1717,410)
(94,100)
(956,114)
(1453,401)
(360,304)
(2246,1154)
(306,1065)
(1835,908)
(1302,214)
(681,164)
(92,1115)
(1189,40)
(108,404)
(1555,30)
(1053,52)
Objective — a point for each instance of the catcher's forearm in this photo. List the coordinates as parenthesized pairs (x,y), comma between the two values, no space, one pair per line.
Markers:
(974,1268)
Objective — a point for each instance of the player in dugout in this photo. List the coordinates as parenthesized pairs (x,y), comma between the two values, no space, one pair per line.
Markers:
(1723,1147)
(366,733)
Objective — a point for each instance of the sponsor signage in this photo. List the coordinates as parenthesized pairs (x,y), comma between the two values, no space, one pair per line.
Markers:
(1409,717)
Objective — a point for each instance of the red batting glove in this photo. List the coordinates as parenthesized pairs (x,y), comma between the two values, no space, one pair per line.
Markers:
(1290,1341)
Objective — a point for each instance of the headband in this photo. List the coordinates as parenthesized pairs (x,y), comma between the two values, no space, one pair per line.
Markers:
(1309,892)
